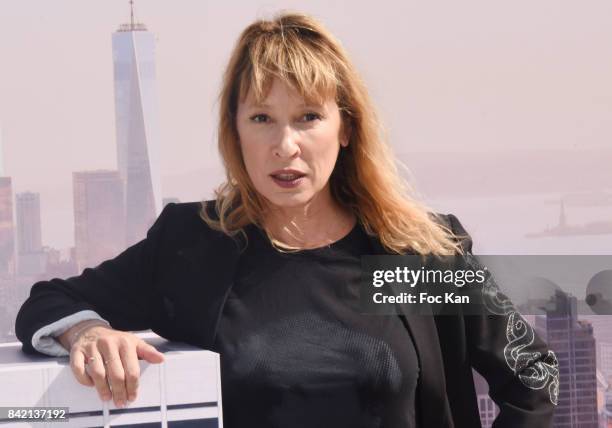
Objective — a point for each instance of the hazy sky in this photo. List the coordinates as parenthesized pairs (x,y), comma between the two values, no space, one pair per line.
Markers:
(469,75)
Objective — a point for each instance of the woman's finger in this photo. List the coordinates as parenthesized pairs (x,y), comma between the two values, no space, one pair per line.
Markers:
(131,368)
(115,375)
(77,364)
(148,352)
(97,372)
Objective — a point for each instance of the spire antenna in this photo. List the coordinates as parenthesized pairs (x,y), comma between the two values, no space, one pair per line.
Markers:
(132,25)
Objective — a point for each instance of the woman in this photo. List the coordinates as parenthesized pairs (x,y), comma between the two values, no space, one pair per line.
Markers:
(267,274)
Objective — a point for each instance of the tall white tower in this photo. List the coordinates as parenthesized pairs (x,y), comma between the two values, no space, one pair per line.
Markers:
(137,126)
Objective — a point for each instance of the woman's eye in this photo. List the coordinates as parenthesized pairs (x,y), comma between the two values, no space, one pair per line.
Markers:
(311,116)
(264,118)
(259,118)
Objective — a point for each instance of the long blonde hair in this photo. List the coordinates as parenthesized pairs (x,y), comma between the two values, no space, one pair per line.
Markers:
(300,52)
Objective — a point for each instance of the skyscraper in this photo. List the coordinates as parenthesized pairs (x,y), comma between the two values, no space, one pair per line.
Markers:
(30,256)
(29,238)
(605,360)
(98,216)
(137,126)
(7,228)
(574,344)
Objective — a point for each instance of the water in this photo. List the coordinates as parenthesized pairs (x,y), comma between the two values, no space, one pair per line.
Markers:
(498,225)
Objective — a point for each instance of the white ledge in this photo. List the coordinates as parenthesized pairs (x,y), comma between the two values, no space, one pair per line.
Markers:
(186,386)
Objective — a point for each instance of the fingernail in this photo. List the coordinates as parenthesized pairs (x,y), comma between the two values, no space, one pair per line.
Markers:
(106,397)
(120,404)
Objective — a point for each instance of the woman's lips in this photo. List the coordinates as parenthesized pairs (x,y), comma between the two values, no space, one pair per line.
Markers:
(288,181)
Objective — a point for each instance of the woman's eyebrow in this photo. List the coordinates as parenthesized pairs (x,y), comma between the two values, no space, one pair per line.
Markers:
(302,105)
(259,105)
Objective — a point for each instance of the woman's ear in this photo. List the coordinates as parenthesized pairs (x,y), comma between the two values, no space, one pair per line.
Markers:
(344,142)
(345,133)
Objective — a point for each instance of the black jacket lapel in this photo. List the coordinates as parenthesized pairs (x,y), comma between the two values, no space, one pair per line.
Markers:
(215,258)
(431,391)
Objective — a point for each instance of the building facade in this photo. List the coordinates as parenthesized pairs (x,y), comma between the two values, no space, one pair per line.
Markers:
(573,342)
(99,217)
(7,229)
(137,128)
(31,260)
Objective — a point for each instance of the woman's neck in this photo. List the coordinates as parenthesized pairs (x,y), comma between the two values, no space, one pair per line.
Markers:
(315,224)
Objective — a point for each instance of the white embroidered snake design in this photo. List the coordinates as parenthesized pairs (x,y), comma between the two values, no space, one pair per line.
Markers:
(533,371)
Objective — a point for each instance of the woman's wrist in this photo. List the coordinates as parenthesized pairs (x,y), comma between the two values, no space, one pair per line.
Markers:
(70,336)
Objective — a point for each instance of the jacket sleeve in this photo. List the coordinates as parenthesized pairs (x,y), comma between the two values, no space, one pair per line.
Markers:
(119,290)
(44,339)
(522,373)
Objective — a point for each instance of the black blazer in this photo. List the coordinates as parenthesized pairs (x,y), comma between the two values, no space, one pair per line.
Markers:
(175,282)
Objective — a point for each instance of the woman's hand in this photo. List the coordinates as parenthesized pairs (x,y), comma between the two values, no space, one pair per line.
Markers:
(108,359)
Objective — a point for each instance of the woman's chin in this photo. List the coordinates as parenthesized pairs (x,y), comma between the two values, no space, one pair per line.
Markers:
(289,199)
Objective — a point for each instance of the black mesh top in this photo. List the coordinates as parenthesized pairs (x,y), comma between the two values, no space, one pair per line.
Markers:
(297,352)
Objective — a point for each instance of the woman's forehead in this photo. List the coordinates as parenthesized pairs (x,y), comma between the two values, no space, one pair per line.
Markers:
(276,88)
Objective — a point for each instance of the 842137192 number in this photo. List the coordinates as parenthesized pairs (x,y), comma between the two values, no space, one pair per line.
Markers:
(33,414)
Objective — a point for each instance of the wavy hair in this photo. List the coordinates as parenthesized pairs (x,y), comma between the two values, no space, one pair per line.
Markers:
(303,54)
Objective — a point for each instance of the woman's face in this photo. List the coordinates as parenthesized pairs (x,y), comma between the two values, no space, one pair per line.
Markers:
(289,148)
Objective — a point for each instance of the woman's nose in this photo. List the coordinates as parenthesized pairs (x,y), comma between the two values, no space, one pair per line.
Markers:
(287,146)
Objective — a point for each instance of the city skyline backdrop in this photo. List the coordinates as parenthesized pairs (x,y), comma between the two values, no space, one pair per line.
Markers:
(551,193)
(522,77)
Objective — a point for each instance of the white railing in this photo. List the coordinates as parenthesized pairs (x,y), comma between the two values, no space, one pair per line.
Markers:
(185,387)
